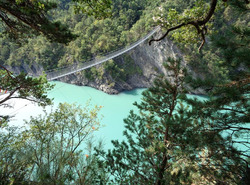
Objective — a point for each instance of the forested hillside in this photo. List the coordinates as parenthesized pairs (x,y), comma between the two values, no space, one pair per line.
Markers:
(129,21)
(173,138)
(95,37)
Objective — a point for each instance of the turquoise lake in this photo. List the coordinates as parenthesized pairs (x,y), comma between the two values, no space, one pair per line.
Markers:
(115,108)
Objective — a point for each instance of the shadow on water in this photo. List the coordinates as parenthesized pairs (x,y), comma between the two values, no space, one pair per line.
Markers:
(134,92)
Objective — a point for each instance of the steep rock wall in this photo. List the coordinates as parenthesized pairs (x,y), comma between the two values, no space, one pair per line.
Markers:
(140,67)
(148,58)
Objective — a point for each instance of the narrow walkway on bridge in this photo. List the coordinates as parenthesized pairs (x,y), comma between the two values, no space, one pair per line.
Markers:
(61,72)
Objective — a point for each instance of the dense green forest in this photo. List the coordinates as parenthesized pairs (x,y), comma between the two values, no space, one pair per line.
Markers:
(172,139)
(94,37)
(129,21)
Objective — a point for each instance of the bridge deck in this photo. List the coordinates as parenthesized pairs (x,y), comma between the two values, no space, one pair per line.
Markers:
(55,74)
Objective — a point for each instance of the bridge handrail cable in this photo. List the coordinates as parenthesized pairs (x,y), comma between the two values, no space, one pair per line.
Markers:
(52,75)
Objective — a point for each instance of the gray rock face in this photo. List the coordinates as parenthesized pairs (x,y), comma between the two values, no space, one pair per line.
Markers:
(146,59)
(33,70)
(149,58)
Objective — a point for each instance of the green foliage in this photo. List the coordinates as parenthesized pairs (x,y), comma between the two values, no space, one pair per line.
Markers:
(113,71)
(93,7)
(23,87)
(29,17)
(170,142)
(173,13)
(55,140)
(229,103)
(226,60)
(96,37)
(50,150)
(14,157)
(157,139)
(173,139)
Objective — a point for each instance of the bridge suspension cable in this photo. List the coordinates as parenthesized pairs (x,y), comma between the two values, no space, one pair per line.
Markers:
(52,75)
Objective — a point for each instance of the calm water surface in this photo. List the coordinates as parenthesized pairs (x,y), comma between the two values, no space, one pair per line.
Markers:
(115,107)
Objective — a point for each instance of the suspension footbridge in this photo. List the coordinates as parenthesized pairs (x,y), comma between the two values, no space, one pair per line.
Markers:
(59,73)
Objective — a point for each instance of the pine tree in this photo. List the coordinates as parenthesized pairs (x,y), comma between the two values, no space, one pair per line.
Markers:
(170,142)
(226,112)
(156,146)
(228,107)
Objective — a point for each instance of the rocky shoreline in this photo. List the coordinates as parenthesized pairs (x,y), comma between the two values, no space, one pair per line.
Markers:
(147,58)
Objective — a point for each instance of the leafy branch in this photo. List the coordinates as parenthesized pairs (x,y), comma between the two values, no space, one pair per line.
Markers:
(199,24)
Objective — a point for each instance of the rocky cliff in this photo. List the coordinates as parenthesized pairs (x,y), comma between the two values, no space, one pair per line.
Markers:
(147,59)
(137,69)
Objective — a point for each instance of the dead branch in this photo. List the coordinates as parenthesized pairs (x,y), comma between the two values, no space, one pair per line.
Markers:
(200,25)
